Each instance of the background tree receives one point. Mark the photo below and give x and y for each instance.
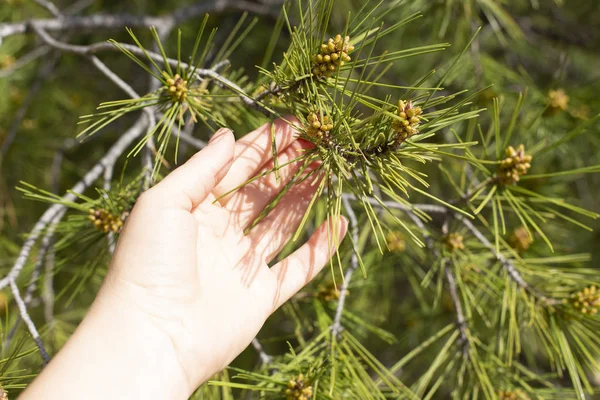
(467, 172)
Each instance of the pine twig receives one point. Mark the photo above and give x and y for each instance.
(507, 264)
(336, 327)
(45, 245)
(200, 72)
(264, 357)
(27, 319)
(466, 196)
(118, 21)
(461, 321)
(107, 184)
(48, 296)
(45, 248)
(117, 149)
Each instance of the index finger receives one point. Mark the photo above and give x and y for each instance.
(254, 150)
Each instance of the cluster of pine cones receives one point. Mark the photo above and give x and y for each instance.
(104, 221)
(332, 56)
(515, 164)
(298, 388)
(408, 120)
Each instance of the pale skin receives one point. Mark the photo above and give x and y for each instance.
(187, 291)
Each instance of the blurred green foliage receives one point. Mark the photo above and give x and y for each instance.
(547, 50)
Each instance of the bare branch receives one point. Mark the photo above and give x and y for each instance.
(506, 263)
(460, 316)
(94, 173)
(336, 327)
(200, 72)
(439, 209)
(264, 357)
(48, 296)
(113, 77)
(44, 246)
(27, 319)
(118, 21)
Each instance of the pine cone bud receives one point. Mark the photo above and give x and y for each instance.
(333, 55)
(557, 101)
(454, 241)
(176, 87)
(106, 222)
(6, 62)
(318, 126)
(329, 293)
(515, 164)
(407, 123)
(298, 388)
(3, 305)
(520, 239)
(396, 242)
(517, 394)
(587, 300)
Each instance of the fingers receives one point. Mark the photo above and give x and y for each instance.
(294, 272)
(277, 228)
(252, 152)
(191, 183)
(250, 200)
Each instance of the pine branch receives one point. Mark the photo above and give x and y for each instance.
(508, 265)
(119, 21)
(45, 244)
(27, 319)
(264, 357)
(45, 247)
(460, 316)
(94, 173)
(48, 296)
(200, 72)
(336, 327)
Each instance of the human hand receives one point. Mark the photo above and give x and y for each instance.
(185, 284)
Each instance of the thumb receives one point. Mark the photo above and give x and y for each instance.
(191, 183)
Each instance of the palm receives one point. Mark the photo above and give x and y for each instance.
(188, 263)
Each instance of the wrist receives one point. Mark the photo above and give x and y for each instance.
(120, 350)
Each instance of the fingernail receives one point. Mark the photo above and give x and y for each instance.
(218, 135)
